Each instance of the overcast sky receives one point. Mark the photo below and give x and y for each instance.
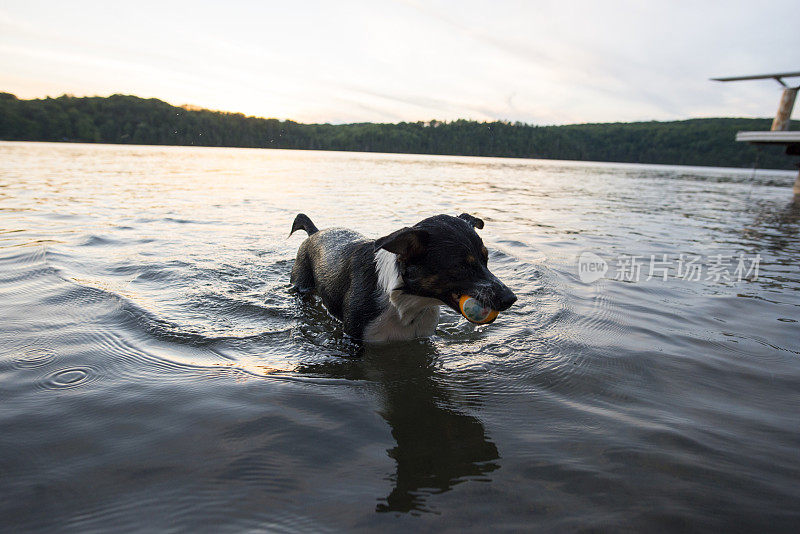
(540, 62)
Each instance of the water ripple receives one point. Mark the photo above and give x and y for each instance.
(69, 378)
(149, 289)
(32, 357)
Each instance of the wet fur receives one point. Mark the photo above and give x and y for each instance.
(404, 316)
(390, 289)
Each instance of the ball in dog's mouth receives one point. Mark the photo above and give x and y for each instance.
(474, 311)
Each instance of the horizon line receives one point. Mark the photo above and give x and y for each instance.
(193, 107)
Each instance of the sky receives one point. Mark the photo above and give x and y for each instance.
(538, 62)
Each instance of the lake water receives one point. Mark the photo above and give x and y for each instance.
(157, 373)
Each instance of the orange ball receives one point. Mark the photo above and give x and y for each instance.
(475, 312)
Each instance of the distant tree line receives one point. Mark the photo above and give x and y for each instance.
(132, 120)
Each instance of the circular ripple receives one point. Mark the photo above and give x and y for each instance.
(32, 357)
(69, 378)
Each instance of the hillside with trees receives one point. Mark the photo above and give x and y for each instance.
(131, 120)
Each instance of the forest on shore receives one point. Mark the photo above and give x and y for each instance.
(125, 119)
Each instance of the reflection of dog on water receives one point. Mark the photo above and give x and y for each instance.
(437, 445)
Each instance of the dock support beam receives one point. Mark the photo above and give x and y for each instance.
(796, 189)
(784, 114)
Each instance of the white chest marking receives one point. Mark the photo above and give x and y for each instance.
(405, 316)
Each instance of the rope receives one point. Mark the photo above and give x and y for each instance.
(755, 168)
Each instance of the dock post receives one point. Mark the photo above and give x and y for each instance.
(784, 114)
(796, 189)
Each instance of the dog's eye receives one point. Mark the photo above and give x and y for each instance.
(484, 254)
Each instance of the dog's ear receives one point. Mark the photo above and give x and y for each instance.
(474, 221)
(406, 242)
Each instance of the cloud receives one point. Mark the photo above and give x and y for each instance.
(545, 62)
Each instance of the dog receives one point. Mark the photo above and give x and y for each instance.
(391, 289)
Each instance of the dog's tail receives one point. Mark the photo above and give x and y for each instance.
(302, 222)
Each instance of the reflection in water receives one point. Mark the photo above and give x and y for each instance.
(776, 228)
(437, 445)
(791, 213)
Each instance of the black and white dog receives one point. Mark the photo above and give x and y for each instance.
(390, 289)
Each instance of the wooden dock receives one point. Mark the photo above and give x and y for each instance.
(779, 134)
(790, 139)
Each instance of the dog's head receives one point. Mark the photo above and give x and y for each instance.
(442, 257)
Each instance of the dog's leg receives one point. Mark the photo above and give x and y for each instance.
(302, 272)
(353, 319)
